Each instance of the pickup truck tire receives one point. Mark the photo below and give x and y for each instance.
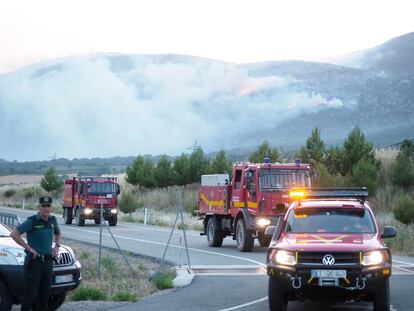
(244, 237)
(277, 300)
(80, 221)
(113, 220)
(214, 236)
(264, 241)
(382, 297)
(67, 215)
(5, 298)
(56, 301)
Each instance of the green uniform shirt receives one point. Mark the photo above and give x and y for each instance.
(40, 233)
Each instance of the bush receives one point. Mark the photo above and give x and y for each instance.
(128, 203)
(404, 210)
(403, 171)
(163, 279)
(88, 293)
(9, 193)
(365, 174)
(124, 296)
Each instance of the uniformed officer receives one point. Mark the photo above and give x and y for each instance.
(38, 264)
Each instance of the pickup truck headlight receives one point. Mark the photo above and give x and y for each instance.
(282, 257)
(373, 258)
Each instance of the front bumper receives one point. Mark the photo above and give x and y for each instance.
(66, 278)
(95, 213)
(359, 283)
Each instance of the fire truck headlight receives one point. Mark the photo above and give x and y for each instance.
(282, 257)
(263, 222)
(372, 258)
(88, 211)
(114, 211)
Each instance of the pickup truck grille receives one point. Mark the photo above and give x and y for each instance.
(64, 259)
(342, 259)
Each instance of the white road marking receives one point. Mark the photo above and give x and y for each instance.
(410, 264)
(159, 230)
(171, 245)
(406, 270)
(245, 304)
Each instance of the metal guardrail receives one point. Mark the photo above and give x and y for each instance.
(10, 220)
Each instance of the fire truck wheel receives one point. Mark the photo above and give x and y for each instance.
(277, 300)
(264, 241)
(80, 221)
(382, 297)
(244, 238)
(214, 236)
(67, 215)
(97, 221)
(113, 220)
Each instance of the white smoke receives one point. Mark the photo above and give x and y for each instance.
(100, 106)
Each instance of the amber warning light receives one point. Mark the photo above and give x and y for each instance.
(297, 194)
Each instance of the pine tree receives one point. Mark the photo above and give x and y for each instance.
(264, 151)
(163, 173)
(221, 164)
(50, 181)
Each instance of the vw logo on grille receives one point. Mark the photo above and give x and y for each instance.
(328, 260)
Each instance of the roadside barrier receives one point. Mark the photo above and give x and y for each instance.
(10, 220)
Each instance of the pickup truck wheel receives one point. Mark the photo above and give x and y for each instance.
(56, 301)
(5, 298)
(113, 220)
(277, 299)
(382, 297)
(80, 221)
(214, 236)
(67, 215)
(244, 238)
(264, 241)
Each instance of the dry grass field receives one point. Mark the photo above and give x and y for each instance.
(20, 179)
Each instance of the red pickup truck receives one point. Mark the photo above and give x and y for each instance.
(328, 247)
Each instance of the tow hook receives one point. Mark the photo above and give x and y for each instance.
(296, 282)
(360, 286)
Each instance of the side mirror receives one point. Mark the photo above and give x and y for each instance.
(269, 231)
(118, 189)
(389, 232)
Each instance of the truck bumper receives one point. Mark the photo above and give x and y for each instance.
(299, 284)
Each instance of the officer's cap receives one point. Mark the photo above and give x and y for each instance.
(45, 200)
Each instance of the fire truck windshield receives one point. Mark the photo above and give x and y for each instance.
(330, 220)
(101, 188)
(277, 179)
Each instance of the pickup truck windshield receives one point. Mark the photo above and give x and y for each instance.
(275, 179)
(330, 220)
(101, 188)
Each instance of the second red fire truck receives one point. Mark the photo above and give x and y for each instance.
(84, 196)
(254, 199)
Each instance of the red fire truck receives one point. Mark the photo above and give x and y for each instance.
(83, 197)
(253, 200)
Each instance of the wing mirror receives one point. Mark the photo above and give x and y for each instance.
(389, 232)
(269, 231)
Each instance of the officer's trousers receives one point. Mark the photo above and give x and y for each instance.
(38, 281)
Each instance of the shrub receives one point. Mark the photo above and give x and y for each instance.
(124, 296)
(403, 171)
(88, 293)
(128, 203)
(404, 210)
(163, 279)
(9, 193)
(365, 173)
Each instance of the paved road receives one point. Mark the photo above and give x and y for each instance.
(231, 287)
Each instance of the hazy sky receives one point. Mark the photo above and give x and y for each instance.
(235, 31)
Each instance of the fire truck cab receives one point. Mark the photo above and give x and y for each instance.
(84, 196)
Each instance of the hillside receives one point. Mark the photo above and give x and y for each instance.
(107, 105)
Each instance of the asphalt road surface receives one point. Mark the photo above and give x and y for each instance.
(225, 279)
